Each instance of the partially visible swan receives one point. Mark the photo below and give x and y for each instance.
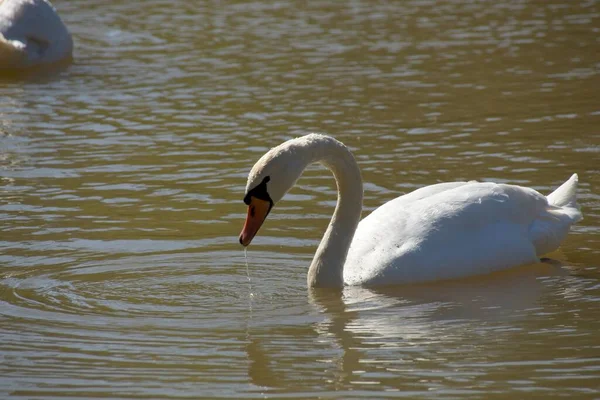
(31, 34)
(443, 231)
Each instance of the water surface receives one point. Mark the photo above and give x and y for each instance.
(123, 175)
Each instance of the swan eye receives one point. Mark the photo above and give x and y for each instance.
(260, 191)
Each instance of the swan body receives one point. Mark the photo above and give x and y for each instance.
(31, 34)
(443, 231)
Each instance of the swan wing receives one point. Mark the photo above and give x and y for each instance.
(453, 230)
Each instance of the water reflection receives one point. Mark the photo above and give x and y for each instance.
(416, 326)
(393, 329)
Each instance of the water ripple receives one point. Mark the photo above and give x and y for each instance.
(122, 177)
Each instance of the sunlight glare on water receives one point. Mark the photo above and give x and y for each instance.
(122, 180)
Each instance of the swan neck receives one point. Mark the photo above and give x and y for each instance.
(327, 267)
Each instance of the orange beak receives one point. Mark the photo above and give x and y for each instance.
(257, 212)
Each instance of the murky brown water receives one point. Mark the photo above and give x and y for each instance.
(123, 177)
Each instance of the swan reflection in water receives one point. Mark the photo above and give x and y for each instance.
(395, 325)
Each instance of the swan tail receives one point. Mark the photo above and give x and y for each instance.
(565, 199)
(566, 194)
(551, 227)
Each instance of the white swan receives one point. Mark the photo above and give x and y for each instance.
(443, 231)
(31, 34)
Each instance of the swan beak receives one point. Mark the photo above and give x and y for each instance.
(257, 212)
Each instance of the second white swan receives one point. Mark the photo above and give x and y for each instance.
(443, 231)
(32, 34)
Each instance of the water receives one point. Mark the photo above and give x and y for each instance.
(121, 275)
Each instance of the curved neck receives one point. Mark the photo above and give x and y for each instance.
(326, 269)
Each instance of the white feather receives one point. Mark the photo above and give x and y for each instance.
(31, 34)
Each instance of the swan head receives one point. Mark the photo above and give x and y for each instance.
(273, 175)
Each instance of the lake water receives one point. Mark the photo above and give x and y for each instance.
(122, 178)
